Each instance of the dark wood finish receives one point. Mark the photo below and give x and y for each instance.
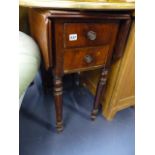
(121, 39)
(104, 33)
(98, 50)
(99, 92)
(98, 34)
(40, 32)
(79, 58)
(59, 52)
(58, 102)
(93, 15)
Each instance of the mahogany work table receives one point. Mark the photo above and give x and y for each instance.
(76, 41)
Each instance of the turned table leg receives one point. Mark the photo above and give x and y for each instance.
(58, 102)
(99, 92)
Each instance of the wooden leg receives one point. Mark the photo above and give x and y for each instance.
(58, 102)
(99, 92)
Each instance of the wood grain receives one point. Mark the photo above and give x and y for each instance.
(104, 33)
(39, 28)
(75, 58)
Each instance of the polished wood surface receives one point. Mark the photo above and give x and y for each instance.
(90, 50)
(120, 91)
(99, 91)
(83, 59)
(84, 53)
(58, 88)
(121, 39)
(103, 33)
(80, 4)
(39, 31)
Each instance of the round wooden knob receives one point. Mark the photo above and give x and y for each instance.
(91, 35)
(88, 58)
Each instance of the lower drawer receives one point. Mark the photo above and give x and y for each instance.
(84, 58)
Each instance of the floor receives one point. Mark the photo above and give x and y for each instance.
(81, 136)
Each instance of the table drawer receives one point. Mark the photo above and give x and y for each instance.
(88, 34)
(83, 58)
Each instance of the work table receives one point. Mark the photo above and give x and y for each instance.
(76, 36)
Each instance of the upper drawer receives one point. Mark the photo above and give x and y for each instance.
(88, 34)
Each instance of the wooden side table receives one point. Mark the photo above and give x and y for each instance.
(75, 41)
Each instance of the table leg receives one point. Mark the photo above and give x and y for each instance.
(58, 90)
(99, 92)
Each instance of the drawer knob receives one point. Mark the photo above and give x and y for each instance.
(88, 58)
(91, 35)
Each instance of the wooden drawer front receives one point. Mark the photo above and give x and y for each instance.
(88, 34)
(82, 59)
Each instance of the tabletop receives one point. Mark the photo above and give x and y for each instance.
(80, 4)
